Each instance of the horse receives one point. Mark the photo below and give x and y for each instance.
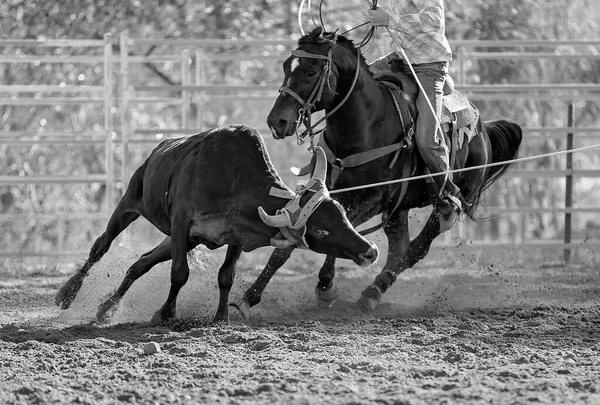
(368, 139)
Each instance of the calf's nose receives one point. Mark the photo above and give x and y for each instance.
(370, 256)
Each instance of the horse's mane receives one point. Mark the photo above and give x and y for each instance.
(318, 36)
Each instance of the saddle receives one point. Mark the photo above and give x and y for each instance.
(459, 116)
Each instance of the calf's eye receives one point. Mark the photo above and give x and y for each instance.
(321, 232)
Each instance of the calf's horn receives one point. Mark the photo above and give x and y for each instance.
(320, 172)
(278, 220)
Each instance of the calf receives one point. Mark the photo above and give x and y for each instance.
(216, 188)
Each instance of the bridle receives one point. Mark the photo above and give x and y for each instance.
(307, 106)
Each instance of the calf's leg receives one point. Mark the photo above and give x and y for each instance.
(159, 254)
(226, 277)
(120, 219)
(180, 270)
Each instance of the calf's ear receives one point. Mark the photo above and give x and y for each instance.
(279, 241)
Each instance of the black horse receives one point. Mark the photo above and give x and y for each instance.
(368, 139)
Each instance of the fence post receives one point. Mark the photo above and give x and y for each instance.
(461, 66)
(185, 94)
(109, 159)
(200, 80)
(124, 106)
(569, 185)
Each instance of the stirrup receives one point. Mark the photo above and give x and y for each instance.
(457, 201)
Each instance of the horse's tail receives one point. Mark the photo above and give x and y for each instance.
(505, 139)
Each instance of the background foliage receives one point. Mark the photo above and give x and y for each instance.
(268, 19)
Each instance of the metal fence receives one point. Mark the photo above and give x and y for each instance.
(121, 95)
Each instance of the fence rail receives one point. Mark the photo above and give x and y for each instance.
(119, 95)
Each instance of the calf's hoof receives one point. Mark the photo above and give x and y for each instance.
(326, 298)
(243, 307)
(66, 295)
(158, 319)
(218, 320)
(105, 311)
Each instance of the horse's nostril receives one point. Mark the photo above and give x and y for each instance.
(281, 125)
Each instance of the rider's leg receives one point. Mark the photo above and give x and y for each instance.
(429, 137)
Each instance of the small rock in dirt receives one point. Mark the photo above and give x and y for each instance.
(242, 392)
(264, 388)
(345, 369)
(453, 357)
(151, 348)
(259, 346)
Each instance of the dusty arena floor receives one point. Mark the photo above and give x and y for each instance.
(481, 327)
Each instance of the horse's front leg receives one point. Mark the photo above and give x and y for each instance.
(402, 254)
(253, 295)
(327, 290)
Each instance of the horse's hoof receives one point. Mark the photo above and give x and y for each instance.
(325, 299)
(243, 307)
(447, 223)
(367, 304)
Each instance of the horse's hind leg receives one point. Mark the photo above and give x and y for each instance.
(120, 219)
(253, 295)
(397, 262)
(159, 254)
(327, 290)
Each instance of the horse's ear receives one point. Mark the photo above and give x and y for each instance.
(316, 33)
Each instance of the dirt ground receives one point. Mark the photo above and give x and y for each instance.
(467, 326)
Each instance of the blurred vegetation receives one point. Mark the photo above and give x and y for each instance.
(273, 20)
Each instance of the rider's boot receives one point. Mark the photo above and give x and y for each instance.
(447, 202)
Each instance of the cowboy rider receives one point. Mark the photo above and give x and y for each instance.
(418, 31)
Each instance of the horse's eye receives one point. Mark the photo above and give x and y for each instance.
(310, 73)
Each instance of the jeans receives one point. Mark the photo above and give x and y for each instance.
(430, 142)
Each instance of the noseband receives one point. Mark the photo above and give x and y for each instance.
(305, 112)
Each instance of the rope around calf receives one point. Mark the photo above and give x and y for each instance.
(506, 162)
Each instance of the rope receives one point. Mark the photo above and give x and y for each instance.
(465, 169)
